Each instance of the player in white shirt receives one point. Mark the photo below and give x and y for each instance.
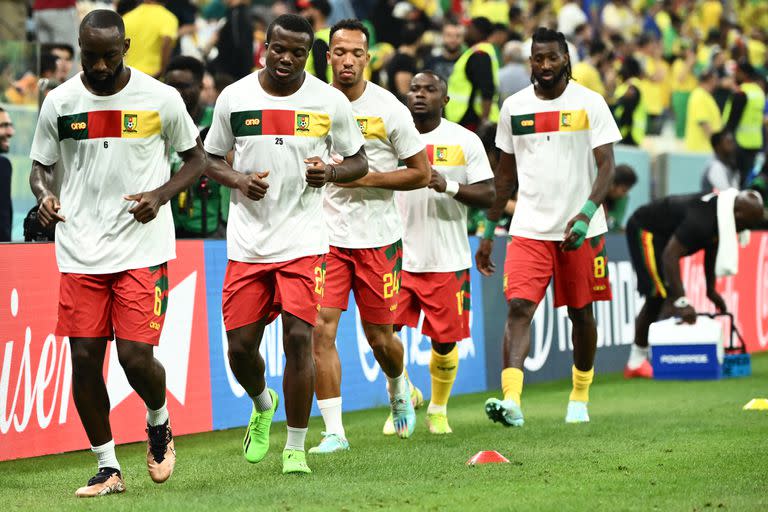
(556, 140)
(282, 124)
(436, 253)
(103, 134)
(366, 233)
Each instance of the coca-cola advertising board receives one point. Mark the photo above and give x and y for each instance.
(37, 413)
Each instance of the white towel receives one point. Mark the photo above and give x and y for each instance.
(727, 261)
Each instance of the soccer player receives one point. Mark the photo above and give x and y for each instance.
(281, 123)
(436, 254)
(659, 234)
(104, 133)
(366, 232)
(550, 135)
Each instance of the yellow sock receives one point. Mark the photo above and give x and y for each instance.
(581, 382)
(512, 384)
(443, 370)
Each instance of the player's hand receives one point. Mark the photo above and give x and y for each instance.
(146, 207)
(483, 258)
(575, 233)
(253, 185)
(47, 212)
(318, 173)
(437, 182)
(717, 300)
(686, 314)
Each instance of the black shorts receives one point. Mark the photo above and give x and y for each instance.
(646, 251)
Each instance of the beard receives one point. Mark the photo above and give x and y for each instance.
(104, 84)
(548, 83)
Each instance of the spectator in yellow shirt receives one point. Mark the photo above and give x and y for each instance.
(683, 82)
(587, 71)
(704, 118)
(153, 31)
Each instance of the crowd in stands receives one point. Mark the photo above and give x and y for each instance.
(691, 71)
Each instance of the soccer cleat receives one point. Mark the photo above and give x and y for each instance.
(295, 461)
(417, 399)
(256, 441)
(106, 481)
(161, 453)
(577, 412)
(438, 424)
(403, 416)
(644, 371)
(330, 443)
(506, 412)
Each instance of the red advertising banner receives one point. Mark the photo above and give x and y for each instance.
(745, 294)
(37, 412)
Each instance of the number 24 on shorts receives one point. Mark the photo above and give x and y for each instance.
(391, 284)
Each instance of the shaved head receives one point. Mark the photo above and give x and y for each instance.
(748, 210)
(103, 18)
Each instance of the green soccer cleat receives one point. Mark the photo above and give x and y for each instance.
(330, 443)
(256, 441)
(438, 424)
(295, 461)
(506, 412)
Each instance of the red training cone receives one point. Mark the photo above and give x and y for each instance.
(487, 457)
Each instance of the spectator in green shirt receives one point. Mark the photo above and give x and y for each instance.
(618, 196)
(201, 210)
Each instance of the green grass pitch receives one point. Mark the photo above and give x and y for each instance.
(662, 446)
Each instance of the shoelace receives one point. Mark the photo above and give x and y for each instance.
(159, 437)
(103, 475)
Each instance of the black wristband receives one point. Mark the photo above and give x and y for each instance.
(333, 173)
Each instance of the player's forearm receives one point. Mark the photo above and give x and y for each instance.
(40, 179)
(221, 172)
(477, 195)
(605, 170)
(671, 262)
(189, 172)
(165, 58)
(415, 175)
(352, 168)
(505, 184)
(485, 112)
(710, 256)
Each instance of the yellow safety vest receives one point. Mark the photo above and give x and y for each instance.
(639, 117)
(309, 67)
(749, 132)
(460, 88)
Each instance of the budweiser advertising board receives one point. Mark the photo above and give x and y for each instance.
(37, 413)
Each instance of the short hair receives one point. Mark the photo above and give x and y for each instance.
(483, 25)
(411, 33)
(49, 47)
(630, 68)
(187, 63)
(716, 138)
(440, 79)
(597, 47)
(48, 63)
(324, 6)
(350, 24)
(103, 18)
(624, 175)
(745, 67)
(292, 23)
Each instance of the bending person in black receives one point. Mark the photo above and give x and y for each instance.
(659, 234)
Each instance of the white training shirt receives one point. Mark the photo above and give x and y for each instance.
(106, 147)
(277, 133)
(435, 223)
(366, 217)
(552, 141)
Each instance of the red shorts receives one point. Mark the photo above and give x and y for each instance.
(129, 305)
(444, 298)
(374, 276)
(581, 276)
(261, 291)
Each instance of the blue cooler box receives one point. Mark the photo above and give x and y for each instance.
(686, 352)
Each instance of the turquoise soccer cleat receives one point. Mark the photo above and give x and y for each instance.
(506, 412)
(330, 443)
(577, 412)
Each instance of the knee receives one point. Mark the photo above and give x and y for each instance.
(297, 341)
(582, 316)
(323, 335)
(520, 309)
(134, 359)
(84, 363)
(238, 348)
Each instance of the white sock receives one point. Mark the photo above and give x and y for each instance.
(106, 455)
(296, 438)
(330, 408)
(263, 401)
(398, 386)
(636, 356)
(158, 417)
(437, 409)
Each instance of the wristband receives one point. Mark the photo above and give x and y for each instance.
(589, 209)
(490, 229)
(333, 173)
(451, 187)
